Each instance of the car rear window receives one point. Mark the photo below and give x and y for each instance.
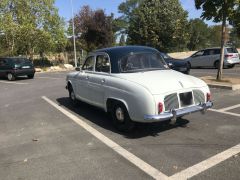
(144, 61)
(232, 50)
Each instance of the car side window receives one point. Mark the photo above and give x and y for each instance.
(217, 51)
(206, 52)
(89, 64)
(102, 64)
(199, 53)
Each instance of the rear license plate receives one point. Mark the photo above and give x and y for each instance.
(186, 99)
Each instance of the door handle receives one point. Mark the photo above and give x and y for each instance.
(103, 81)
(87, 77)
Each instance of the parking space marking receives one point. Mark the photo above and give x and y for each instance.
(47, 78)
(229, 108)
(225, 112)
(206, 164)
(148, 169)
(10, 82)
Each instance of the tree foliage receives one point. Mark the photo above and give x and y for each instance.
(94, 28)
(199, 34)
(30, 26)
(160, 24)
(215, 35)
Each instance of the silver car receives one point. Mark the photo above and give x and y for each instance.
(211, 58)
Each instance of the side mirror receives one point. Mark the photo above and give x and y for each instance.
(77, 68)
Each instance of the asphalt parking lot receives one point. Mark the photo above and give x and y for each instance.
(231, 72)
(42, 136)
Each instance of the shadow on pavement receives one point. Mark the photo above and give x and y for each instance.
(19, 78)
(102, 119)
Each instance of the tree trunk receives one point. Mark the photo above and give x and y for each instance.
(220, 68)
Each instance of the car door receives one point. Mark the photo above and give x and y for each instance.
(196, 59)
(209, 57)
(98, 80)
(82, 79)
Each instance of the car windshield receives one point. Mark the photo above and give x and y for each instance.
(165, 56)
(232, 50)
(144, 61)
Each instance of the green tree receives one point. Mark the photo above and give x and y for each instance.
(126, 9)
(215, 35)
(219, 11)
(199, 34)
(31, 26)
(94, 27)
(160, 24)
(235, 37)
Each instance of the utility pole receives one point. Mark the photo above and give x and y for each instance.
(74, 40)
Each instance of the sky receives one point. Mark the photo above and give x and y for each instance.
(111, 6)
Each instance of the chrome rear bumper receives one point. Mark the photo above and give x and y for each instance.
(173, 114)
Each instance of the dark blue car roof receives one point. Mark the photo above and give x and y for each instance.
(117, 53)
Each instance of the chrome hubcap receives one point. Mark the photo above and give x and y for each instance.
(10, 76)
(119, 114)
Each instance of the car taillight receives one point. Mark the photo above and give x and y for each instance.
(160, 108)
(228, 55)
(208, 97)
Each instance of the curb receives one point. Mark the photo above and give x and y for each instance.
(233, 87)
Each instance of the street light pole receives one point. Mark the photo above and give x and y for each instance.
(74, 40)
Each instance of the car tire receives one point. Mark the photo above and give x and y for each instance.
(11, 77)
(187, 72)
(31, 76)
(121, 119)
(216, 64)
(72, 96)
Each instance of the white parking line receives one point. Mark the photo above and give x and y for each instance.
(10, 82)
(148, 169)
(224, 112)
(229, 108)
(206, 164)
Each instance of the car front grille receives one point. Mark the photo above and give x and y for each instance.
(171, 102)
(198, 96)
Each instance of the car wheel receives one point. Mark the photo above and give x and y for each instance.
(72, 96)
(31, 76)
(121, 119)
(10, 77)
(216, 64)
(187, 72)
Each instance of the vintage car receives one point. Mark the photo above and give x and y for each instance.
(134, 84)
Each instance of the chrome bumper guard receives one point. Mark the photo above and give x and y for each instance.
(173, 114)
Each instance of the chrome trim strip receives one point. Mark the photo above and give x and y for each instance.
(179, 112)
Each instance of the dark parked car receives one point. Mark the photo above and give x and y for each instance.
(176, 64)
(13, 67)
